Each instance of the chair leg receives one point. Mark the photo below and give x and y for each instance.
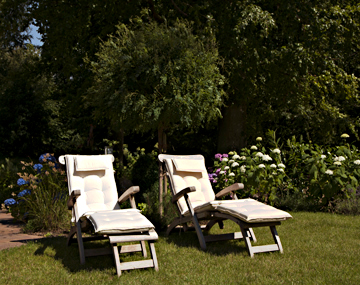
(199, 232)
(116, 259)
(143, 249)
(276, 238)
(253, 237)
(246, 236)
(72, 232)
(80, 242)
(153, 255)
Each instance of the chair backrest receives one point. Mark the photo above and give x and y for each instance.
(185, 171)
(93, 175)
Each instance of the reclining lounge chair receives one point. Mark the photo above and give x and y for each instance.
(95, 206)
(195, 200)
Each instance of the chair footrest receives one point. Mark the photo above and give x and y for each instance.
(265, 248)
(136, 264)
(151, 235)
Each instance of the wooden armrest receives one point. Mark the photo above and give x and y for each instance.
(129, 194)
(180, 194)
(229, 189)
(72, 198)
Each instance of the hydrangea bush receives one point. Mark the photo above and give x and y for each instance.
(40, 195)
(321, 175)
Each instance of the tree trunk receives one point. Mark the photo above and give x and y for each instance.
(232, 129)
(162, 145)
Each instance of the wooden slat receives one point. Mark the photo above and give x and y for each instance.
(98, 251)
(130, 248)
(152, 235)
(136, 264)
(230, 236)
(265, 248)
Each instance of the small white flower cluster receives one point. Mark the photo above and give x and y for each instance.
(236, 157)
(243, 157)
(280, 169)
(232, 174)
(266, 157)
(276, 150)
(259, 154)
(225, 159)
(243, 168)
(281, 165)
(273, 165)
(234, 164)
(261, 165)
(339, 158)
(253, 147)
(357, 162)
(329, 172)
(337, 163)
(323, 156)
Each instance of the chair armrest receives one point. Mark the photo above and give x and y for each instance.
(180, 194)
(229, 189)
(72, 198)
(129, 194)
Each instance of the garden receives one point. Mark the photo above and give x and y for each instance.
(266, 91)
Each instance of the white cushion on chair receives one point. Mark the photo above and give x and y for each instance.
(120, 221)
(91, 163)
(247, 210)
(189, 165)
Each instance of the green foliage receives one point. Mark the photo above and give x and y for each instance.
(150, 75)
(41, 196)
(8, 171)
(300, 176)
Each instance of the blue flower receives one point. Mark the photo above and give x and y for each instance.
(38, 167)
(9, 202)
(48, 157)
(21, 182)
(24, 192)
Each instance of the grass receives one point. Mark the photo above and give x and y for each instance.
(319, 248)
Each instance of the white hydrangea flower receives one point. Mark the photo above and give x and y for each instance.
(227, 167)
(323, 156)
(280, 169)
(276, 150)
(261, 165)
(281, 165)
(243, 157)
(357, 162)
(254, 147)
(236, 156)
(329, 172)
(243, 168)
(232, 174)
(273, 165)
(259, 154)
(235, 164)
(222, 172)
(341, 158)
(337, 163)
(274, 173)
(231, 161)
(266, 157)
(225, 159)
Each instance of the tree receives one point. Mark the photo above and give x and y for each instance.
(153, 76)
(290, 66)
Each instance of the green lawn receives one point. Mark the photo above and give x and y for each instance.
(319, 248)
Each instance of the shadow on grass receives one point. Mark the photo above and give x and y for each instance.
(70, 258)
(219, 248)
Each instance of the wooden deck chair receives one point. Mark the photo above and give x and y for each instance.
(95, 206)
(195, 200)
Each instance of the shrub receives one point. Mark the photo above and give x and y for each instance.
(8, 175)
(41, 195)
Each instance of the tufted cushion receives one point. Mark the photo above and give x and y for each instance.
(247, 210)
(189, 171)
(120, 221)
(97, 187)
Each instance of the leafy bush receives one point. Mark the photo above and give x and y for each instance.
(41, 195)
(8, 172)
(299, 176)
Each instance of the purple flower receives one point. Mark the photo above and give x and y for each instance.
(225, 155)
(218, 170)
(218, 156)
